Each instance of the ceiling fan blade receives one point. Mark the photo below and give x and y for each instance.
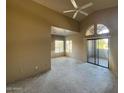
(84, 13)
(75, 14)
(86, 6)
(74, 4)
(69, 11)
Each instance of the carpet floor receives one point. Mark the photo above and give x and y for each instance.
(68, 75)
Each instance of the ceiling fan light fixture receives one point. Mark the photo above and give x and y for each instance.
(78, 10)
(74, 4)
(84, 13)
(86, 6)
(69, 11)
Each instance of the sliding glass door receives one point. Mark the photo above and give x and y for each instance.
(98, 52)
(91, 51)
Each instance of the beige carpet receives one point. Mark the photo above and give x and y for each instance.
(68, 76)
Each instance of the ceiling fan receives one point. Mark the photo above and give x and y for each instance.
(78, 9)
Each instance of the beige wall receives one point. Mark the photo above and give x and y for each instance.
(77, 46)
(108, 17)
(53, 38)
(29, 39)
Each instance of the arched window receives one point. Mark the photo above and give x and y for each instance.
(90, 31)
(100, 30)
(97, 36)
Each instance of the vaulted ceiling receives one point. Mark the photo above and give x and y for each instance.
(62, 5)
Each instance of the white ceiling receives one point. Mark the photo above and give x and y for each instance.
(62, 5)
(61, 31)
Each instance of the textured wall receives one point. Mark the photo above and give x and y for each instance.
(29, 41)
(28, 37)
(108, 17)
(77, 46)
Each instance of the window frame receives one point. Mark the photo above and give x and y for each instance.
(68, 46)
(96, 35)
(58, 47)
(90, 31)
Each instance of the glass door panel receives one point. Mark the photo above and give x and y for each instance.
(102, 47)
(90, 56)
(98, 52)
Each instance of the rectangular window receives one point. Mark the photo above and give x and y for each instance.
(69, 46)
(102, 44)
(59, 46)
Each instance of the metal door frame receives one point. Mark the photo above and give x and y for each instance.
(98, 51)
